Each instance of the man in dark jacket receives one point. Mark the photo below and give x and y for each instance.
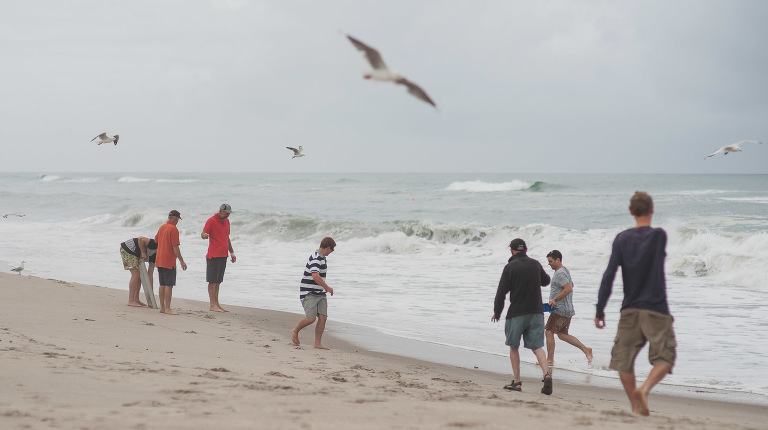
(523, 278)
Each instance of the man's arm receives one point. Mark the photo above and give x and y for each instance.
(206, 229)
(544, 276)
(567, 289)
(143, 242)
(321, 282)
(501, 295)
(606, 285)
(177, 251)
(232, 252)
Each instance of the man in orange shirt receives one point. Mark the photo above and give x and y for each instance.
(167, 239)
(216, 230)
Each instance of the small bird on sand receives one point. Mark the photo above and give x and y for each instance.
(7, 215)
(103, 138)
(18, 268)
(734, 147)
(296, 152)
(382, 73)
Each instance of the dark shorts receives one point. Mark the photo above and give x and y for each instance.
(558, 323)
(167, 277)
(530, 327)
(214, 269)
(636, 327)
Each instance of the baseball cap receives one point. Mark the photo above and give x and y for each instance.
(226, 207)
(174, 213)
(518, 245)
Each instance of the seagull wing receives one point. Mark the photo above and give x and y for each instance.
(746, 141)
(117, 137)
(416, 91)
(371, 54)
(295, 151)
(101, 136)
(715, 153)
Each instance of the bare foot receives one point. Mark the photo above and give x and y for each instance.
(321, 347)
(589, 355)
(135, 305)
(141, 304)
(295, 338)
(642, 400)
(215, 309)
(170, 312)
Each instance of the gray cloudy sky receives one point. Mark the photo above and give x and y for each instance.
(522, 86)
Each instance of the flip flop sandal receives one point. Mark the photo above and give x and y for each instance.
(514, 386)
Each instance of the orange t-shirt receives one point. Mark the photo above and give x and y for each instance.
(166, 237)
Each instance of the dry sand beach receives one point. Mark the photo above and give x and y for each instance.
(75, 356)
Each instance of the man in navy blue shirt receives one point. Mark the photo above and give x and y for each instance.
(640, 252)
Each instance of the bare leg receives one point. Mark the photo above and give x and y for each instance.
(550, 336)
(514, 358)
(319, 329)
(133, 288)
(577, 343)
(301, 324)
(213, 294)
(161, 296)
(165, 300)
(658, 372)
(151, 273)
(542, 358)
(628, 381)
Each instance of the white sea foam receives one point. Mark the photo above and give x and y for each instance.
(178, 181)
(49, 178)
(760, 200)
(486, 187)
(131, 179)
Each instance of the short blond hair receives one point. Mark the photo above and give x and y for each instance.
(640, 204)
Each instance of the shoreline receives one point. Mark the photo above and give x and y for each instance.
(75, 356)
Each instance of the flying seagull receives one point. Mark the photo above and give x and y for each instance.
(382, 73)
(296, 152)
(734, 147)
(19, 268)
(103, 138)
(7, 215)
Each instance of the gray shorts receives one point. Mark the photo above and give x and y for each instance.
(314, 304)
(530, 327)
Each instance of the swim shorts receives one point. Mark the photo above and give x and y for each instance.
(558, 323)
(130, 261)
(167, 277)
(214, 269)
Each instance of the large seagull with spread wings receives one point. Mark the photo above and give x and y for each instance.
(382, 73)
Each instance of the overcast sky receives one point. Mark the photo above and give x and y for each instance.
(522, 86)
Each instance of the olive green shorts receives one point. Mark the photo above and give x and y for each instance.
(636, 327)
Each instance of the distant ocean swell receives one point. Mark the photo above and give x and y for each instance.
(489, 187)
(728, 257)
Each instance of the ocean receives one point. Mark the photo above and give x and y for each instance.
(419, 256)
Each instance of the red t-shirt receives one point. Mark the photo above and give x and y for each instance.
(218, 237)
(166, 237)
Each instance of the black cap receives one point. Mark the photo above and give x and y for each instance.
(174, 213)
(518, 245)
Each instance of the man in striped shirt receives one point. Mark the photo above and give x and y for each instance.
(312, 293)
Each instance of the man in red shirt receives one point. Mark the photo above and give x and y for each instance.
(216, 230)
(167, 239)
